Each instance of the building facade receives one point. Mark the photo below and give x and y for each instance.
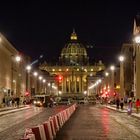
(128, 66)
(12, 73)
(72, 72)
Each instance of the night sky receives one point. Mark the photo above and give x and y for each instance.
(43, 27)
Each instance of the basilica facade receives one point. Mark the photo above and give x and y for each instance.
(73, 74)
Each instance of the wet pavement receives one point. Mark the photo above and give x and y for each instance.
(8, 110)
(13, 125)
(89, 122)
(100, 123)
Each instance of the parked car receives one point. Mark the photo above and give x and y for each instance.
(42, 100)
(64, 101)
(80, 100)
(92, 101)
(111, 101)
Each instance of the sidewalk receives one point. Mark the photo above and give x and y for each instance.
(7, 110)
(134, 114)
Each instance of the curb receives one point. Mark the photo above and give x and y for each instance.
(125, 111)
(118, 110)
(4, 112)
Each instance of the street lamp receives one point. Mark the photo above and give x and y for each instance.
(40, 77)
(18, 58)
(122, 91)
(137, 39)
(28, 68)
(106, 74)
(137, 65)
(35, 74)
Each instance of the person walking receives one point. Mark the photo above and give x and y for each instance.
(117, 102)
(137, 105)
(17, 101)
(13, 102)
(121, 103)
(129, 110)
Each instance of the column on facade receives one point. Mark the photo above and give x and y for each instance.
(112, 82)
(75, 83)
(35, 84)
(40, 86)
(68, 84)
(69, 80)
(71, 83)
(63, 85)
(122, 79)
(138, 71)
(81, 80)
(79, 84)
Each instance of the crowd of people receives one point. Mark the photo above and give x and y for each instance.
(131, 102)
(127, 102)
(9, 101)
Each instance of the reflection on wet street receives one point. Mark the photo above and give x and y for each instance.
(99, 123)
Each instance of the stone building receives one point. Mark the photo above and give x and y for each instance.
(12, 73)
(131, 51)
(127, 51)
(73, 70)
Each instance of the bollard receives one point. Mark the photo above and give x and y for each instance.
(48, 130)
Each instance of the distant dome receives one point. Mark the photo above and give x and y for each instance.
(74, 52)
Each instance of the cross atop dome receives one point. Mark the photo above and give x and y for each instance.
(73, 35)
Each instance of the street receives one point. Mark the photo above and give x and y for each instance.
(89, 122)
(100, 123)
(12, 126)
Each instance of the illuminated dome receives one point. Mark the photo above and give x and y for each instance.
(74, 53)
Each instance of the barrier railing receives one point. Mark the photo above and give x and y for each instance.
(48, 130)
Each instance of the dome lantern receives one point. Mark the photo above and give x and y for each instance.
(73, 35)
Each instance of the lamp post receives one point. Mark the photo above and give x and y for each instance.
(28, 68)
(15, 74)
(137, 66)
(44, 86)
(35, 81)
(112, 68)
(122, 92)
(106, 78)
(40, 84)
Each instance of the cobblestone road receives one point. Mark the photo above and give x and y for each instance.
(99, 123)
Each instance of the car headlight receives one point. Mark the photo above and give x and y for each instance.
(38, 102)
(34, 102)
